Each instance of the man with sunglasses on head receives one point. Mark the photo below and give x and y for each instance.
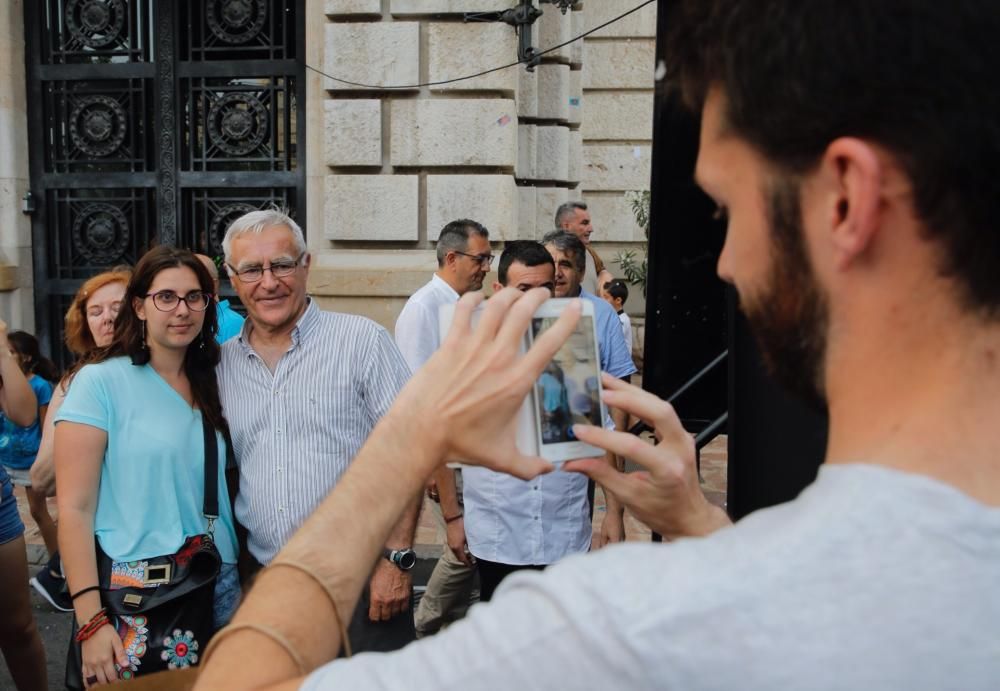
(302, 389)
(464, 257)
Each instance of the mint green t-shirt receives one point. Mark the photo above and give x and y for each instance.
(153, 474)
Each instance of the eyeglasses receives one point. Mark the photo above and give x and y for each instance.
(279, 269)
(486, 259)
(167, 300)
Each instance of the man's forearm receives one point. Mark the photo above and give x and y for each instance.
(356, 519)
(447, 491)
(620, 418)
(402, 535)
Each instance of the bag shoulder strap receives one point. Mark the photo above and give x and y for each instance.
(598, 262)
(211, 503)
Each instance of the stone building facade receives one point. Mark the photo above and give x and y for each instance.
(387, 168)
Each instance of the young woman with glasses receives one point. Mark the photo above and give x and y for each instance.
(130, 450)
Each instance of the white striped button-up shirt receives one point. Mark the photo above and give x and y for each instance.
(295, 431)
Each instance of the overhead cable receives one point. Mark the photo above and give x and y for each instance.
(388, 87)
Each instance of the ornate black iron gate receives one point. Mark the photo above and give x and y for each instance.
(152, 122)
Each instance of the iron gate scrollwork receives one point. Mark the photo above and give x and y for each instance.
(155, 121)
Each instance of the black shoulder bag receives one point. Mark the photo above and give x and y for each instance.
(161, 607)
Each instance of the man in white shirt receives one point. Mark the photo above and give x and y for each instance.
(464, 257)
(575, 217)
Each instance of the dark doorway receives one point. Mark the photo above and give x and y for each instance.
(155, 122)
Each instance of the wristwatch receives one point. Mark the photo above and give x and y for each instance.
(404, 559)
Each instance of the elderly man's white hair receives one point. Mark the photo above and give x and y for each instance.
(257, 222)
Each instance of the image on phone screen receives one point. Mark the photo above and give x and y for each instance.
(568, 391)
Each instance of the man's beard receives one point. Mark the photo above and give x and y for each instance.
(789, 315)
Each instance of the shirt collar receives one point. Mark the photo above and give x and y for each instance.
(306, 323)
(443, 285)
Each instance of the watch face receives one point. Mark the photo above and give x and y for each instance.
(407, 559)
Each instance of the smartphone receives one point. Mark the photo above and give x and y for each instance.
(567, 392)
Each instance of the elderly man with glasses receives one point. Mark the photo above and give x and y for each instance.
(302, 389)
(464, 257)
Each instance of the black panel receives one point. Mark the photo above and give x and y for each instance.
(208, 212)
(685, 300)
(92, 31)
(97, 126)
(91, 230)
(776, 443)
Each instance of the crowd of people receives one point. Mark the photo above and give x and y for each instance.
(161, 361)
(852, 149)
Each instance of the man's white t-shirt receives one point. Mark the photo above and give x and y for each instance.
(871, 579)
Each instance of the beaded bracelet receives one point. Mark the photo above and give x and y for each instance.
(91, 627)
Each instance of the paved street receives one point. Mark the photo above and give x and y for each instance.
(55, 626)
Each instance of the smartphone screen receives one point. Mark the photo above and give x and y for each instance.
(568, 391)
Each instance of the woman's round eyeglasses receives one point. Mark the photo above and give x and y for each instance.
(167, 300)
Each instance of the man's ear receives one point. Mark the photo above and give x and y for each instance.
(854, 170)
(497, 287)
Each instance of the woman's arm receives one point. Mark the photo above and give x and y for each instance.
(79, 453)
(43, 470)
(17, 399)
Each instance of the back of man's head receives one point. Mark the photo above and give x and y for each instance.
(567, 211)
(569, 244)
(916, 77)
(454, 237)
(526, 252)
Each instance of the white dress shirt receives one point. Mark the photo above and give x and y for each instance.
(626, 330)
(519, 522)
(417, 330)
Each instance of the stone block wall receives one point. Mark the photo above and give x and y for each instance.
(617, 127)
(388, 167)
(16, 301)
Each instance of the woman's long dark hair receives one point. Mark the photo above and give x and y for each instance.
(202, 354)
(32, 360)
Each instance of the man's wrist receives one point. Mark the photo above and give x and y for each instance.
(424, 444)
(404, 559)
(708, 520)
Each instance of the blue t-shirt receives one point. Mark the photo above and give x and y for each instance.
(19, 445)
(616, 359)
(230, 322)
(153, 474)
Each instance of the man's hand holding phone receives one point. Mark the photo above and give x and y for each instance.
(666, 496)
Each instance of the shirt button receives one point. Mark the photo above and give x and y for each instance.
(281, 509)
(535, 487)
(536, 518)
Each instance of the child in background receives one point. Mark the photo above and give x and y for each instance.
(19, 445)
(615, 292)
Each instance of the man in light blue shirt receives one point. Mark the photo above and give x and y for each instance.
(570, 257)
(229, 320)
